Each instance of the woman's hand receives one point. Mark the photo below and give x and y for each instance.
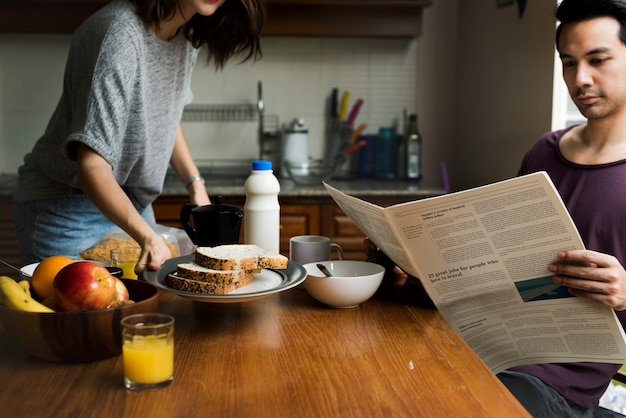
(96, 179)
(154, 252)
(592, 275)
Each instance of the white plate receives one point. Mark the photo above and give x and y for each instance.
(28, 270)
(266, 283)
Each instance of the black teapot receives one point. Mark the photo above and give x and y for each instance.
(215, 224)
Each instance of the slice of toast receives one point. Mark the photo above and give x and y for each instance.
(195, 286)
(194, 271)
(239, 256)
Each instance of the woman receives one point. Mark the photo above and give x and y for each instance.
(103, 157)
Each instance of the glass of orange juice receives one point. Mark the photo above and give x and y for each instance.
(148, 351)
(126, 258)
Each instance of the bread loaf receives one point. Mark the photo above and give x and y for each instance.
(239, 256)
(200, 273)
(222, 269)
(196, 286)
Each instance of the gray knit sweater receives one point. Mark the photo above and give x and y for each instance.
(123, 94)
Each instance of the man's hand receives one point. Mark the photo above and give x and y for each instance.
(592, 275)
(374, 255)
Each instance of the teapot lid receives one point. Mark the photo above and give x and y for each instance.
(298, 125)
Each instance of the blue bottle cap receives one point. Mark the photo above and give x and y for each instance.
(261, 165)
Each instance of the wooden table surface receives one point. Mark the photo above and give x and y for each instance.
(285, 355)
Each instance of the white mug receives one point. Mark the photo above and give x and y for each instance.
(304, 249)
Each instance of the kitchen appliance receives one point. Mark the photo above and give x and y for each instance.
(295, 145)
(214, 224)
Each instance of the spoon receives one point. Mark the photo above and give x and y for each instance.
(324, 270)
(13, 267)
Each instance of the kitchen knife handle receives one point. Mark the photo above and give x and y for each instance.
(354, 112)
(333, 103)
(343, 108)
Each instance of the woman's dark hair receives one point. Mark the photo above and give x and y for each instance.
(579, 10)
(233, 30)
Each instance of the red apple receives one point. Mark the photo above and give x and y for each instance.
(121, 292)
(83, 285)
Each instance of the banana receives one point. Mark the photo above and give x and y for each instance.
(17, 296)
(25, 285)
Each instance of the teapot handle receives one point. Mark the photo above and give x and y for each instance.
(185, 215)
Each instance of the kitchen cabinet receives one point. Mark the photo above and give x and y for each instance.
(382, 18)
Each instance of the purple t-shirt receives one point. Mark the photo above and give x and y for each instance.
(595, 196)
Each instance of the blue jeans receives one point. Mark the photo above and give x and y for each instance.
(539, 399)
(63, 226)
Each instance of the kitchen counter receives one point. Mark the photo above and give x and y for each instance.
(233, 186)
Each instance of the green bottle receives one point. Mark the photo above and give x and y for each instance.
(413, 150)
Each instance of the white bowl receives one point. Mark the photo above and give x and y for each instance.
(352, 282)
(310, 172)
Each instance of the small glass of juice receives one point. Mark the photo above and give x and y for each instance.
(148, 351)
(126, 258)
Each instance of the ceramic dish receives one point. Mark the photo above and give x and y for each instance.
(268, 282)
(26, 272)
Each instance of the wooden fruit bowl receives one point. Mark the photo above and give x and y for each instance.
(74, 337)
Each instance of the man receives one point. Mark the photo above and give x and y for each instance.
(588, 166)
(587, 163)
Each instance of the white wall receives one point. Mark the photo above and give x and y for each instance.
(504, 80)
(31, 70)
(297, 75)
(437, 87)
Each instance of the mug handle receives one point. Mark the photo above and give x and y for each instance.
(185, 215)
(338, 249)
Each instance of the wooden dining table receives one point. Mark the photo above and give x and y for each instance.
(285, 355)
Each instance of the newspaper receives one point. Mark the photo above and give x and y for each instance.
(482, 255)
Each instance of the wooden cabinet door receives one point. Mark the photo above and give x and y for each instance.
(342, 231)
(297, 220)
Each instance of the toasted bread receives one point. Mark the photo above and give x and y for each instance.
(195, 286)
(239, 256)
(200, 273)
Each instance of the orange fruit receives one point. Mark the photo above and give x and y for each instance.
(44, 275)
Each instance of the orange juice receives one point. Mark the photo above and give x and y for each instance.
(126, 258)
(149, 359)
(128, 268)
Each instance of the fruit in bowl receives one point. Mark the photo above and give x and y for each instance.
(84, 285)
(44, 273)
(77, 336)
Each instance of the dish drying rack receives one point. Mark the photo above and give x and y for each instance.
(220, 113)
(246, 112)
